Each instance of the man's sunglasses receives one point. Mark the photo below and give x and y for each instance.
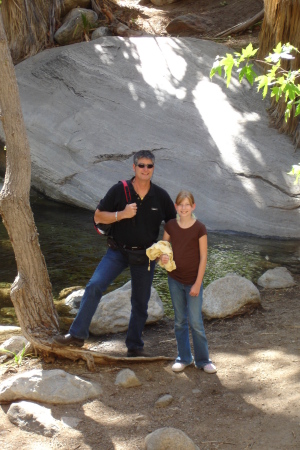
(149, 166)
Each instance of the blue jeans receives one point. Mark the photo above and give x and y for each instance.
(188, 310)
(111, 265)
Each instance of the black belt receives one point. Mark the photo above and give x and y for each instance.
(128, 247)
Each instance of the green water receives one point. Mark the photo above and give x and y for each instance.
(72, 250)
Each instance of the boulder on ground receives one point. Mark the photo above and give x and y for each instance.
(73, 25)
(113, 312)
(33, 418)
(127, 378)
(277, 278)
(48, 386)
(189, 22)
(169, 439)
(228, 296)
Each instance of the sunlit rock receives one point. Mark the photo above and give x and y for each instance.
(33, 418)
(169, 438)
(277, 278)
(89, 106)
(228, 296)
(48, 386)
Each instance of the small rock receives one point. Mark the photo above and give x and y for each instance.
(127, 378)
(34, 418)
(164, 401)
(277, 278)
(14, 345)
(188, 23)
(72, 27)
(100, 32)
(169, 439)
(64, 293)
(9, 329)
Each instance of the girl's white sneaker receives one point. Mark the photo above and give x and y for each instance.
(179, 367)
(210, 368)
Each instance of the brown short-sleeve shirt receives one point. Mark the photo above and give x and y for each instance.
(186, 252)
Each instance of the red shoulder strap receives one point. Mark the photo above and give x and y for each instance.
(126, 190)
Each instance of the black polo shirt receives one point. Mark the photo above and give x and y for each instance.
(143, 229)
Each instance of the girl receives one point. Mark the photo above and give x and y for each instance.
(188, 237)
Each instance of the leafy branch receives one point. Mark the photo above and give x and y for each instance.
(282, 83)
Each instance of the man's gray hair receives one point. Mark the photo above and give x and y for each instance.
(143, 154)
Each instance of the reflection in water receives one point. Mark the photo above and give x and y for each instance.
(72, 250)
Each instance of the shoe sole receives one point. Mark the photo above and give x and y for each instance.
(71, 344)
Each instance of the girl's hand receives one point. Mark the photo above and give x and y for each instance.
(164, 259)
(195, 289)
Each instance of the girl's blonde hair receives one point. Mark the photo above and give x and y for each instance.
(185, 194)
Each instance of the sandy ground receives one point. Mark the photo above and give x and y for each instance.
(251, 403)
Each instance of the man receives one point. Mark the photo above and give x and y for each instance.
(135, 227)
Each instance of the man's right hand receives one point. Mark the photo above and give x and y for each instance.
(129, 211)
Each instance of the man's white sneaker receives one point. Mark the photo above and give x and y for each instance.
(179, 367)
(210, 368)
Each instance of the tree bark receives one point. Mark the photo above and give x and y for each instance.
(31, 292)
(281, 24)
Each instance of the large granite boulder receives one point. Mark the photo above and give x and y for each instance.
(113, 312)
(89, 106)
(229, 296)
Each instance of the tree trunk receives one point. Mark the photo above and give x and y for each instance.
(31, 291)
(281, 24)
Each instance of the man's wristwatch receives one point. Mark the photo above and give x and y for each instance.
(116, 216)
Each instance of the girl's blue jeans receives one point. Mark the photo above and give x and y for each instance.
(188, 310)
(111, 265)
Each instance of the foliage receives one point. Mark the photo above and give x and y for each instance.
(85, 25)
(282, 83)
(18, 357)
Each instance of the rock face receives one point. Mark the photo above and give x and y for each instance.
(48, 386)
(229, 296)
(89, 106)
(113, 312)
(33, 418)
(276, 278)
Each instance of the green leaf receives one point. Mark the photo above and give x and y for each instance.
(247, 72)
